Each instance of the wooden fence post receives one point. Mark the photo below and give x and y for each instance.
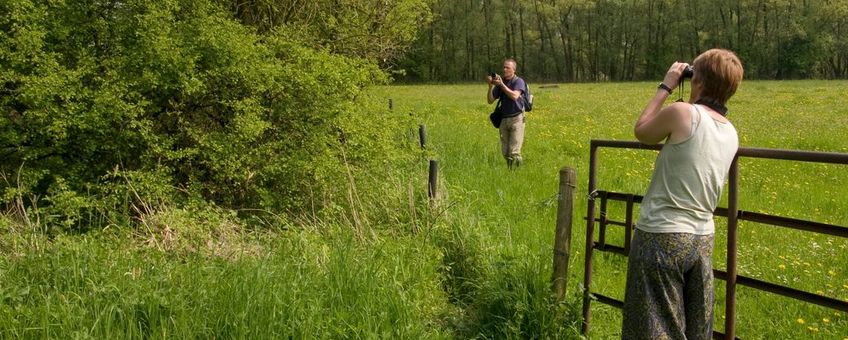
(422, 135)
(391, 104)
(433, 181)
(562, 241)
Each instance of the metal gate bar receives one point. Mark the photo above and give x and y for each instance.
(744, 215)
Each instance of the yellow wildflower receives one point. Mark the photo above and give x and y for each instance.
(826, 320)
(801, 321)
(781, 266)
(813, 329)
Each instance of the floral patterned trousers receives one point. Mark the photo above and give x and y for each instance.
(669, 292)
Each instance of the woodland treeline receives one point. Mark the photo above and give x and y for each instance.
(621, 40)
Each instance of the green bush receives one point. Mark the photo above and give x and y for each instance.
(111, 105)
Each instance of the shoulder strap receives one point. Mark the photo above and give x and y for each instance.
(697, 118)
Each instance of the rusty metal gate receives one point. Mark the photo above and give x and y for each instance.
(733, 214)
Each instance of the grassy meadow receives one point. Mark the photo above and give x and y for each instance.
(515, 211)
(476, 264)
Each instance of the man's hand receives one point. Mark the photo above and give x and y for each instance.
(497, 81)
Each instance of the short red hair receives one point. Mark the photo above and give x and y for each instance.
(719, 72)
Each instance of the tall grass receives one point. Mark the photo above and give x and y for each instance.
(322, 284)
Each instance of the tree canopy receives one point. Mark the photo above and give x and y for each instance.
(583, 40)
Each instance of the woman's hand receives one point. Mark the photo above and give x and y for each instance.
(675, 72)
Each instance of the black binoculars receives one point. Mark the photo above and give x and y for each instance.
(688, 72)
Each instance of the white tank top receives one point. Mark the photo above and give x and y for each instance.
(688, 179)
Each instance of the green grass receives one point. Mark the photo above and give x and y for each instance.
(519, 212)
(475, 265)
(300, 285)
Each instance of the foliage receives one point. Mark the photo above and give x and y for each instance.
(579, 40)
(378, 30)
(109, 105)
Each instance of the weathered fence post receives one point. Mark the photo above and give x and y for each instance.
(433, 181)
(391, 104)
(562, 241)
(422, 135)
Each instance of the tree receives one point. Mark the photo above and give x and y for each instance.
(581, 40)
(380, 30)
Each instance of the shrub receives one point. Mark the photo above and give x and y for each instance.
(106, 104)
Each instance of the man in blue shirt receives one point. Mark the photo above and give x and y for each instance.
(511, 108)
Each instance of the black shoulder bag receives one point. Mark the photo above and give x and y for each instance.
(496, 116)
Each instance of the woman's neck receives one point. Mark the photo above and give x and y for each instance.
(716, 106)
